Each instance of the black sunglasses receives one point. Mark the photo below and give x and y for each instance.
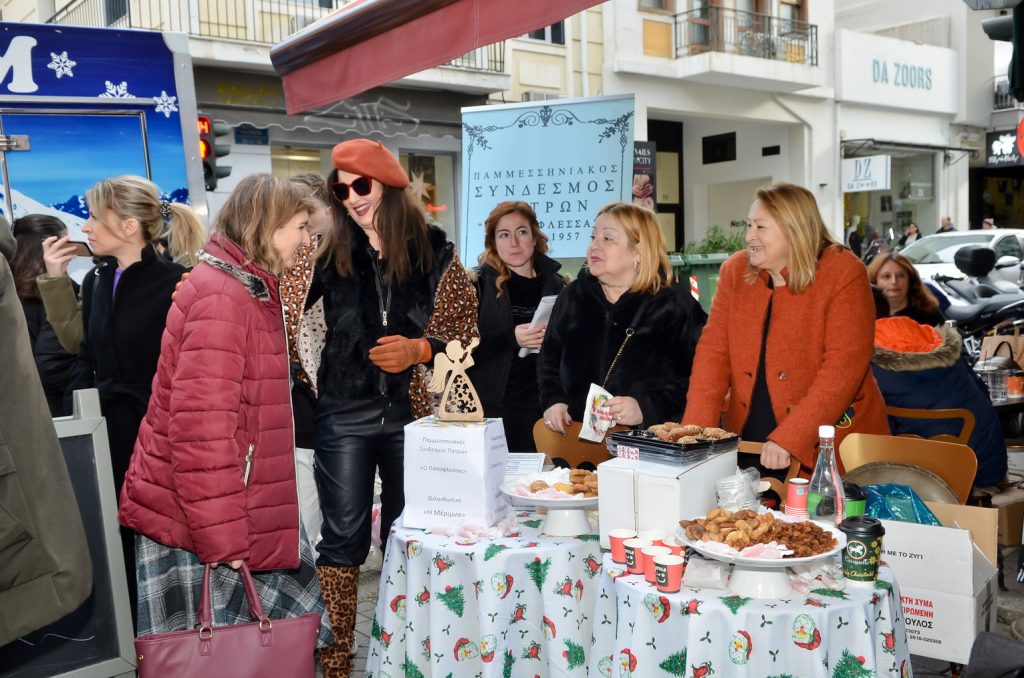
(361, 185)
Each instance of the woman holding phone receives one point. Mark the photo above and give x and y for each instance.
(125, 299)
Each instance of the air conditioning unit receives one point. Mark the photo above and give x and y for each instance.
(537, 95)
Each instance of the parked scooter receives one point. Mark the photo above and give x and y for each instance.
(979, 302)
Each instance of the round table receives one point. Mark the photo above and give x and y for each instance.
(510, 606)
(639, 631)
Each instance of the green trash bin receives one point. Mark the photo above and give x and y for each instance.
(705, 268)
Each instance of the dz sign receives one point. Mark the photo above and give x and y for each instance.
(867, 173)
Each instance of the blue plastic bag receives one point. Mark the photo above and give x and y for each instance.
(898, 502)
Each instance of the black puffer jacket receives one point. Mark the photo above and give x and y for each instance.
(55, 365)
(585, 332)
(352, 309)
(498, 346)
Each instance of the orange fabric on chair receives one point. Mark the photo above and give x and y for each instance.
(906, 335)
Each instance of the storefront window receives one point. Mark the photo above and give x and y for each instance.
(432, 178)
(909, 199)
(287, 161)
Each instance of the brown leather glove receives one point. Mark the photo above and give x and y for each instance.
(396, 354)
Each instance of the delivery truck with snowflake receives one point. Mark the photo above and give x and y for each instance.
(78, 105)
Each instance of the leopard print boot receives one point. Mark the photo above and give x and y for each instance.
(339, 585)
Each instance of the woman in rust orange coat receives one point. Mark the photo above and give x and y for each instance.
(789, 341)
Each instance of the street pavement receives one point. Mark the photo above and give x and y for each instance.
(1010, 610)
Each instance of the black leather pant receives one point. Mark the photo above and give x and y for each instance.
(353, 439)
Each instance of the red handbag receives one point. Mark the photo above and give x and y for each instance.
(282, 648)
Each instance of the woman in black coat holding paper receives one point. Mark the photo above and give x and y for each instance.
(513, 276)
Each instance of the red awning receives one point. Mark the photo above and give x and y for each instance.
(372, 42)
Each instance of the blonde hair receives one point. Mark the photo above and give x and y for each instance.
(795, 211)
(132, 197)
(186, 235)
(654, 271)
(490, 254)
(259, 206)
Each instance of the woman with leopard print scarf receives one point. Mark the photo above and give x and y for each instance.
(394, 293)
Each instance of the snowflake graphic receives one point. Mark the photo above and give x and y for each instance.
(61, 65)
(165, 104)
(120, 91)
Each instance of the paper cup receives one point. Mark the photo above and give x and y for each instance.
(653, 536)
(796, 495)
(863, 550)
(668, 572)
(634, 555)
(649, 554)
(616, 537)
(674, 545)
(1015, 386)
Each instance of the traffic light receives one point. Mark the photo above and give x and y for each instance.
(1010, 29)
(210, 150)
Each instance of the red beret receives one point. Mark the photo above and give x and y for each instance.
(369, 159)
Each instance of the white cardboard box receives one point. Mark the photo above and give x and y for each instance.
(646, 495)
(453, 473)
(947, 578)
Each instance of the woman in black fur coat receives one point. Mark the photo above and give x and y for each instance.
(394, 294)
(621, 324)
(514, 274)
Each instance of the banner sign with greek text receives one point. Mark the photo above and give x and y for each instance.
(567, 158)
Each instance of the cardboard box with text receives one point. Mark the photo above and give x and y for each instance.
(453, 473)
(947, 578)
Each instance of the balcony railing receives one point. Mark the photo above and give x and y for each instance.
(723, 29)
(1002, 99)
(263, 22)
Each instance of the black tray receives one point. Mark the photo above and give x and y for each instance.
(653, 448)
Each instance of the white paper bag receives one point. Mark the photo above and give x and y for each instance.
(596, 418)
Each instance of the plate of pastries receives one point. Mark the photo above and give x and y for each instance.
(562, 488)
(764, 538)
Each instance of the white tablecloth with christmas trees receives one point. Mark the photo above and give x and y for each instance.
(505, 607)
(640, 632)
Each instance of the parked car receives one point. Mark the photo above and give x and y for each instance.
(934, 253)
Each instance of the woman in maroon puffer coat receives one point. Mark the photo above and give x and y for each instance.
(212, 478)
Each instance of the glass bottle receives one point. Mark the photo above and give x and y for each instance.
(826, 496)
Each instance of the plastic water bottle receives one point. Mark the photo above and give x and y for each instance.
(826, 496)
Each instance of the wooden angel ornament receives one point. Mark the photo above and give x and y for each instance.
(459, 401)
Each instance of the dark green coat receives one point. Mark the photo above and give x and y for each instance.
(45, 571)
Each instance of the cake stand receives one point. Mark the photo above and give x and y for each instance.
(762, 577)
(565, 517)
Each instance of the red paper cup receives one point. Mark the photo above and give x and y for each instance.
(650, 553)
(668, 572)
(653, 536)
(674, 545)
(616, 537)
(796, 495)
(634, 555)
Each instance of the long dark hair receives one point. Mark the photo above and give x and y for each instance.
(402, 227)
(30, 231)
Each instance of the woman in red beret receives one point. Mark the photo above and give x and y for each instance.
(394, 293)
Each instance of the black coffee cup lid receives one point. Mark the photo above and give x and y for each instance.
(854, 491)
(863, 525)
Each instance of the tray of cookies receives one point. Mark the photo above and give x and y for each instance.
(565, 488)
(766, 538)
(679, 444)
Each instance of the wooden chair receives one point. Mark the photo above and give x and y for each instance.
(958, 413)
(774, 484)
(953, 462)
(570, 449)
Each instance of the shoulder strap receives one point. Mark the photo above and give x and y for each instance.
(630, 331)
